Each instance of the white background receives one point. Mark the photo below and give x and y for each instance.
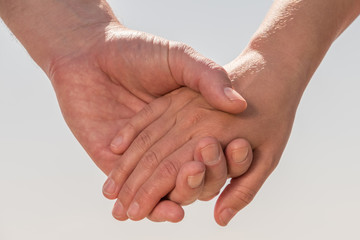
(50, 189)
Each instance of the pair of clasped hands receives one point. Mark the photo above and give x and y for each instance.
(165, 124)
(164, 145)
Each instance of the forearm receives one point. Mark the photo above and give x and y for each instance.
(298, 33)
(49, 29)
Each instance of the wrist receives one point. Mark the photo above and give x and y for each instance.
(299, 33)
(291, 51)
(265, 78)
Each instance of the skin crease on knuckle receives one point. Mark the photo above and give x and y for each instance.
(168, 169)
(243, 194)
(198, 120)
(149, 161)
(195, 119)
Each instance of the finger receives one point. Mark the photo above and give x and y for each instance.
(137, 123)
(191, 69)
(148, 115)
(145, 168)
(242, 190)
(189, 183)
(140, 145)
(168, 211)
(239, 157)
(132, 156)
(209, 151)
(161, 182)
(147, 137)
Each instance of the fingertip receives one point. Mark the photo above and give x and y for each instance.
(192, 168)
(176, 217)
(167, 211)
(235, 102)
(204, 144)
(237, 195)
(196, 180)
(225, 99)
(225, 216)
(210, 152)
(189, 183)
(239, 157)
(116, 145)
(215, 86)
(233, 95)
(110, 189)
(118, 211)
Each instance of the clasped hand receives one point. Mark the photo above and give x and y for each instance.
(166, 136)
(104, 90)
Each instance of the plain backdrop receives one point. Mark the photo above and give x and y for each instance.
(50, 188)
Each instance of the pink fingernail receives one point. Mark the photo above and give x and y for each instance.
(116, 143)
(118, 210)
(210, 154)
(109, 187)
(240, 155)
(133, 210)
(232, 95)
(226, 215)
(196, 180)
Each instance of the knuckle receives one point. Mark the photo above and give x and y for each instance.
(147, 111)
(168, 170)
(185, 48)
(120, 171)
(150, 160)
(192, 118)
(130, 127)
(146, 194)
(211, 65)
(143, 141)
(244, 195)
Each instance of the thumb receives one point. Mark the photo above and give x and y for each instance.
(191, 69)
(242, 190)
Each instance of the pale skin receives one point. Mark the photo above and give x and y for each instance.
(272, 73)
(94, 64)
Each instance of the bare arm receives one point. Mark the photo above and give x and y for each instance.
(54, 30)
(273, 71)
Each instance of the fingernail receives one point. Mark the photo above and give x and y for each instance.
(133, 210)
(196, 180)
(109, 187)
(239, 155)
(117, 142)
(232, 95)
(210, 154)
(118, 209)
(226, 215)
